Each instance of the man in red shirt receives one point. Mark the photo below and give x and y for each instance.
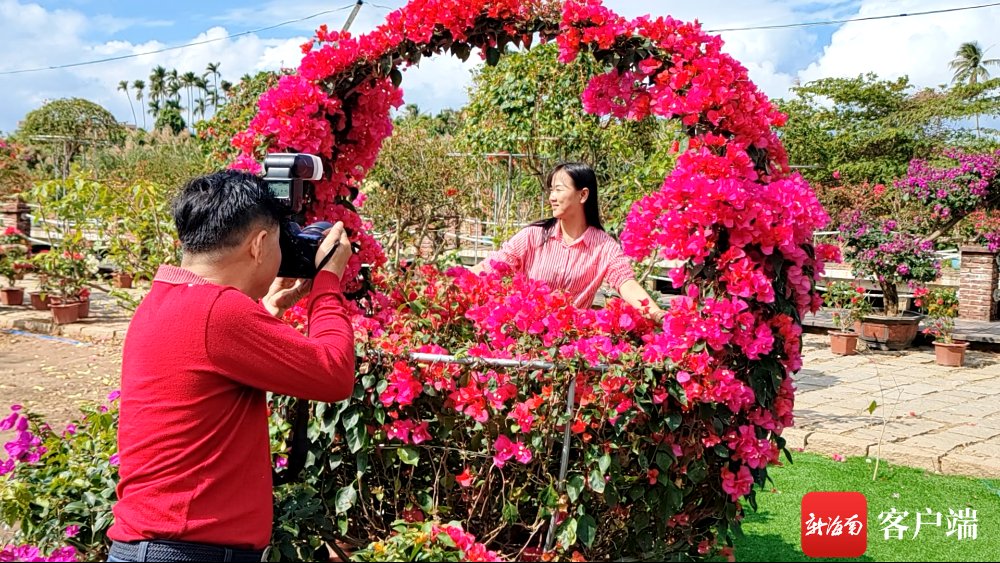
(203, 348)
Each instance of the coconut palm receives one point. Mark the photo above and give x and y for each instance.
(213, 70)
(123, 87)
(157, 87)
(189, 80)
(139, 86)
(971, 67)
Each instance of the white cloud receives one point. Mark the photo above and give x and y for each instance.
(918, 46)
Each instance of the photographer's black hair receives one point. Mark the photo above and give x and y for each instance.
(216, 211)
(583, 176)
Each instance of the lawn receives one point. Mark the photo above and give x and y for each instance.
(773, 533)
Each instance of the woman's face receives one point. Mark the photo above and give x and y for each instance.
(564, 198)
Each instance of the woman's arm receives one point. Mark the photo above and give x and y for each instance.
(635, 295)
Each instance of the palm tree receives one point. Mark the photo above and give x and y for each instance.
(227, 87)
(123, 87)
(200, 107)
(189, 80)
(970, 67)
(157, 87)
(154, 107)
(213, 69)
(139, 86)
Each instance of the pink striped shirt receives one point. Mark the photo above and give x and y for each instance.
(579, 267)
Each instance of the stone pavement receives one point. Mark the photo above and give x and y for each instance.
(944, 420)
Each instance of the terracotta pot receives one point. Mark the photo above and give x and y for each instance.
(84, 306)
(11, 296)
(843, 343)
(121, 280)
(951, 355)
(65, 313)
(890, 333)
(38, 302)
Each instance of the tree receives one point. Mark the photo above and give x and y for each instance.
(189, 80)
(123, 87)
(852, 131)
(216, 134)
(530, 104)
(157, 88)
(970, 67)
(170, 117)
(139, 86)
(71, 124)
(213, 70)
(969, 64)
(418, 193)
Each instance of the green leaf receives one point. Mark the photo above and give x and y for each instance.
(351, 417)
(357, 438)
(586, 529)
(346, 498)
(510, 513)
(604, 463)
(574, 486)
(674, 420)
(396, 77)
(597, 481)
(409, 456)
(872, 407)
(567, 533)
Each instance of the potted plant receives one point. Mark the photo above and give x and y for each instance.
(849, 306)
(877, 250)
(941, 305)
(13, 264)
(66, 272)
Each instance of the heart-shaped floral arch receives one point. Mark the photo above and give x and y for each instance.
(705, 399)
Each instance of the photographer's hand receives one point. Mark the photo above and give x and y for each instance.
(284, 293)
(335, 236)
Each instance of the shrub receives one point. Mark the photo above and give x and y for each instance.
(60, 485)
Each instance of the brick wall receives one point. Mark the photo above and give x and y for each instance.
(978, 280)
(15, 213)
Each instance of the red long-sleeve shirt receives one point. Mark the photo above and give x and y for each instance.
(192, 436)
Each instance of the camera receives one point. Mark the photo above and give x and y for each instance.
(289, 175)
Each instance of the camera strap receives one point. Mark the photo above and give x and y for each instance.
(327, 257)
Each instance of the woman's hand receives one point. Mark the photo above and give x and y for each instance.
(284, 293)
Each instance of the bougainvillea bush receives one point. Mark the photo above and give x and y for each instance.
(670, 426)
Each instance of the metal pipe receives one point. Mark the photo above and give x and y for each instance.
(564, 462)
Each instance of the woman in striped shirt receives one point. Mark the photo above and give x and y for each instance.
(571, 251)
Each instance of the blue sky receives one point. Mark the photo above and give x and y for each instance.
(46, 33)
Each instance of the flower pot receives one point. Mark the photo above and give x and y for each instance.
(65, 313)
(11, 296)
(952, 355)
(890, 333)
(38, 302)
(84, 306)
(121, 280)
(843, 343)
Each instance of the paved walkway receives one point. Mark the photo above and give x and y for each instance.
(941, 419)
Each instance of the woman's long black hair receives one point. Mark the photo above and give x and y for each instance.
(583, 176)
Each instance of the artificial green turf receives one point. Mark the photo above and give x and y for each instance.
(774, 532)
